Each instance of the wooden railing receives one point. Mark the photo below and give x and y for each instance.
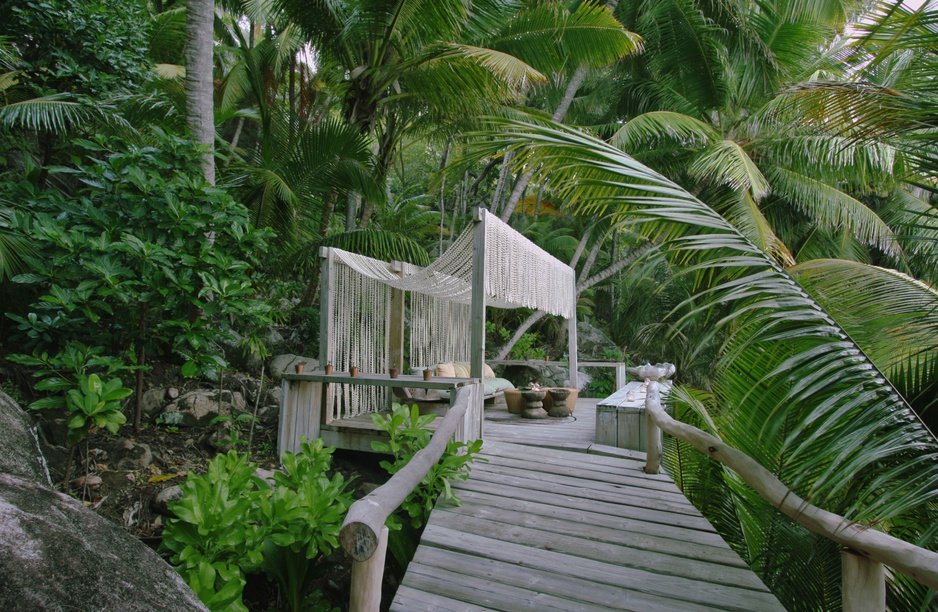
(866, 549)
(364, 535)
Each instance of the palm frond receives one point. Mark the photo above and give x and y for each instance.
(651, 127)
(552, 39)
(727, 163)
(834, 209)
(807, 402)
(52, 113)
(891, 315)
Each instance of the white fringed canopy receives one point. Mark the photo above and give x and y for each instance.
(492, 265)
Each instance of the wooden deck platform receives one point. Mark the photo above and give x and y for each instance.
(554, 522)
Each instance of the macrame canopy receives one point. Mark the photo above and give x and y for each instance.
(491, 265)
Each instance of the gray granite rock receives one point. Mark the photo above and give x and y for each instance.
(20, 454)
(55, 554)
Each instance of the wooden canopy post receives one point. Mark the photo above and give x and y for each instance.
(396, 337)
(325, 307)
(572, 350)
(864, 583)
(477, 329)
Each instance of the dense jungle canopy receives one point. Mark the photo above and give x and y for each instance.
(745, 189)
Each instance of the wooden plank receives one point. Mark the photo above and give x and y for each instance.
(637, 512)
(643, 581)
(616, 522)
(606, 429)
(572, 348)
(671, 501)
(408, 599)
(617, 464)
(635, 534)
(575, 593)
(611, 451)
(570, 485)
(600, 549)
(489, 593)
(574, 465)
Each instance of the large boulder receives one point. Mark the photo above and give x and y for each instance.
(286, 364)
(545, 375)
(20, 454)
(199, 407)
(55, 554)
(592, 343)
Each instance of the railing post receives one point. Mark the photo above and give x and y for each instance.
(367, 577)
(652, 431)
(864, 583)
(651, 374)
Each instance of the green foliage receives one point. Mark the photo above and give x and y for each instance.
(89, 402)
(231, 523)
(234, 430)
(525, 348)
(143, 253)
(89, 47)
(409, 433)
(95, 404)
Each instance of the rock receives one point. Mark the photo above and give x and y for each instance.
(55, 554)
(284, 364)
(132, 456)
(91, 480)
(20, 454)
(274, 393)
(152, 402)
(546, 375)
(196, 407)
(592, 343)
(172, 392)
(160, 502)
(267, 475)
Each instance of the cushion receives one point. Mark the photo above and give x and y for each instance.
(487, 372)
(446, 370)
(462, 369)
(494, 385)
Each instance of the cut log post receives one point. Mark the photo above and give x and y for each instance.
(653, 432)
(864, 583)
(651, 374)
(367, 577)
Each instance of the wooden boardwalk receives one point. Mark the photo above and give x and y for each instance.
(547, 524)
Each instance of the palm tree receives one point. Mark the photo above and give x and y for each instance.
(416, 66)
(791, 387)
(702, 106)
(200, 23)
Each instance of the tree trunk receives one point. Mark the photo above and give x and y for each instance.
(561, 111)
(200, 21)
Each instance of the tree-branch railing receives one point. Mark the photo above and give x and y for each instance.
(867, 549)
(364, 534)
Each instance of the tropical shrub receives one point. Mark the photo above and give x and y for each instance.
(409, 433)
(138, 253)
(231, 523)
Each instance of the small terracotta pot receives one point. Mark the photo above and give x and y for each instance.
(353, 371)
(329, 368)
(300, 367)
(392, 372)
(427, 374)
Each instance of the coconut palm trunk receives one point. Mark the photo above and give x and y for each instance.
(200, 18)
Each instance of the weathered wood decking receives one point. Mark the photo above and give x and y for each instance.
(547, 525)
